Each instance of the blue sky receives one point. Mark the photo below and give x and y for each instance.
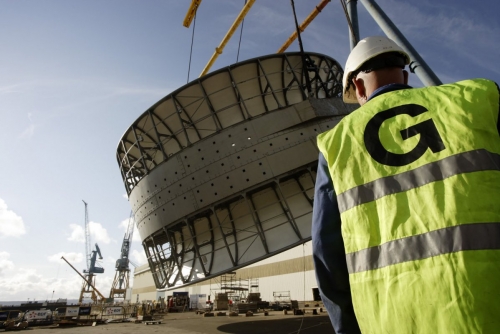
(75, 74)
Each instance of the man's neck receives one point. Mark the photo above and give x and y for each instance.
(386, 89)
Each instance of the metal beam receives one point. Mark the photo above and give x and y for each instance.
(191, 13)
(417, 64)
(352, 11)
(89, 281)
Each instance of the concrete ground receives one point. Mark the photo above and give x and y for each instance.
(191, 323)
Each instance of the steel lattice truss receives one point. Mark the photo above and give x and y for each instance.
(233, 232)
(219, 100)
(220, 173)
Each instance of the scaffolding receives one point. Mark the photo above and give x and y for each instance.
(235, 288)
(254, 285)
(282, 298)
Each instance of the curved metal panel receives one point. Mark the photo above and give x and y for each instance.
(220, 173)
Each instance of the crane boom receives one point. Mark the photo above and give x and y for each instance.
(88, 281)
(121, 281)
(87, 237)
(130, 228)
(123, 261)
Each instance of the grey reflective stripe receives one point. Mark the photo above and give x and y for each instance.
(473, 161)
(479, 236)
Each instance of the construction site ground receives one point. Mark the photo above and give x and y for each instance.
(276, 322)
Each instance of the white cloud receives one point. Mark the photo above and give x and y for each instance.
(11, 224)
(110, 260)
(97, 233)
(77, 233)
(23, 283)
(28, 283)
(5, 263)
(124, 225)
(139, 258)
(71, 257)
(11, 89)
(125, 196)
(28, 132)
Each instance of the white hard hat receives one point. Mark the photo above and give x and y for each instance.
(365, 50)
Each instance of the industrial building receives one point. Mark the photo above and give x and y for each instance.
(288, 272)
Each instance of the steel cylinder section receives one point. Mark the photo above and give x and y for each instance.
(220, 173)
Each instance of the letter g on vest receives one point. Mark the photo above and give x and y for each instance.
(429, 136)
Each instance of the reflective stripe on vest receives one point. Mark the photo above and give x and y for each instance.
(417, 178)
(473, 161)
(479, 236)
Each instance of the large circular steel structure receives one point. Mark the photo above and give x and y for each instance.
(220, 173)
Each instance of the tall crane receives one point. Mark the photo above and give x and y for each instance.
(122, 275)
(87, 237)
(88, 287)
(95, 292)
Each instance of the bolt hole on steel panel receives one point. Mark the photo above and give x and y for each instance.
(220, 173)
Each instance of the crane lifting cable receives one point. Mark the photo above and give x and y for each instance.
(241, 34)
(191, 51)
(349, 22)
(303, 25)
(306, 62)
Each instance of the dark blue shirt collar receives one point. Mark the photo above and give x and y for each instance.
(387, 88)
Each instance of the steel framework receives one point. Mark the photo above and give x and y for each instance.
(220, 173)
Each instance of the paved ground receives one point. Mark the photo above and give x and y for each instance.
(191, 323)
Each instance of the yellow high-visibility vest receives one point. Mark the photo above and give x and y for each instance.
(417, 177)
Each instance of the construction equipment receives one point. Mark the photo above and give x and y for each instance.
(236, 23)
(218, 50)
(87, 237)
(122, 275)
(191, 13)
(88, 287)
(89, 281)
(304, 25)
(16, 324)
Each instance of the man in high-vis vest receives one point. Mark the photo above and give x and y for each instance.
(406, 217)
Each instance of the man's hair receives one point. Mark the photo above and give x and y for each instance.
(384, 60)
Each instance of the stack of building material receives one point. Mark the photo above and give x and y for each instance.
(221, 301)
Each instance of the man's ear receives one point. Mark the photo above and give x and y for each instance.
(405, 76)
(359, 83)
